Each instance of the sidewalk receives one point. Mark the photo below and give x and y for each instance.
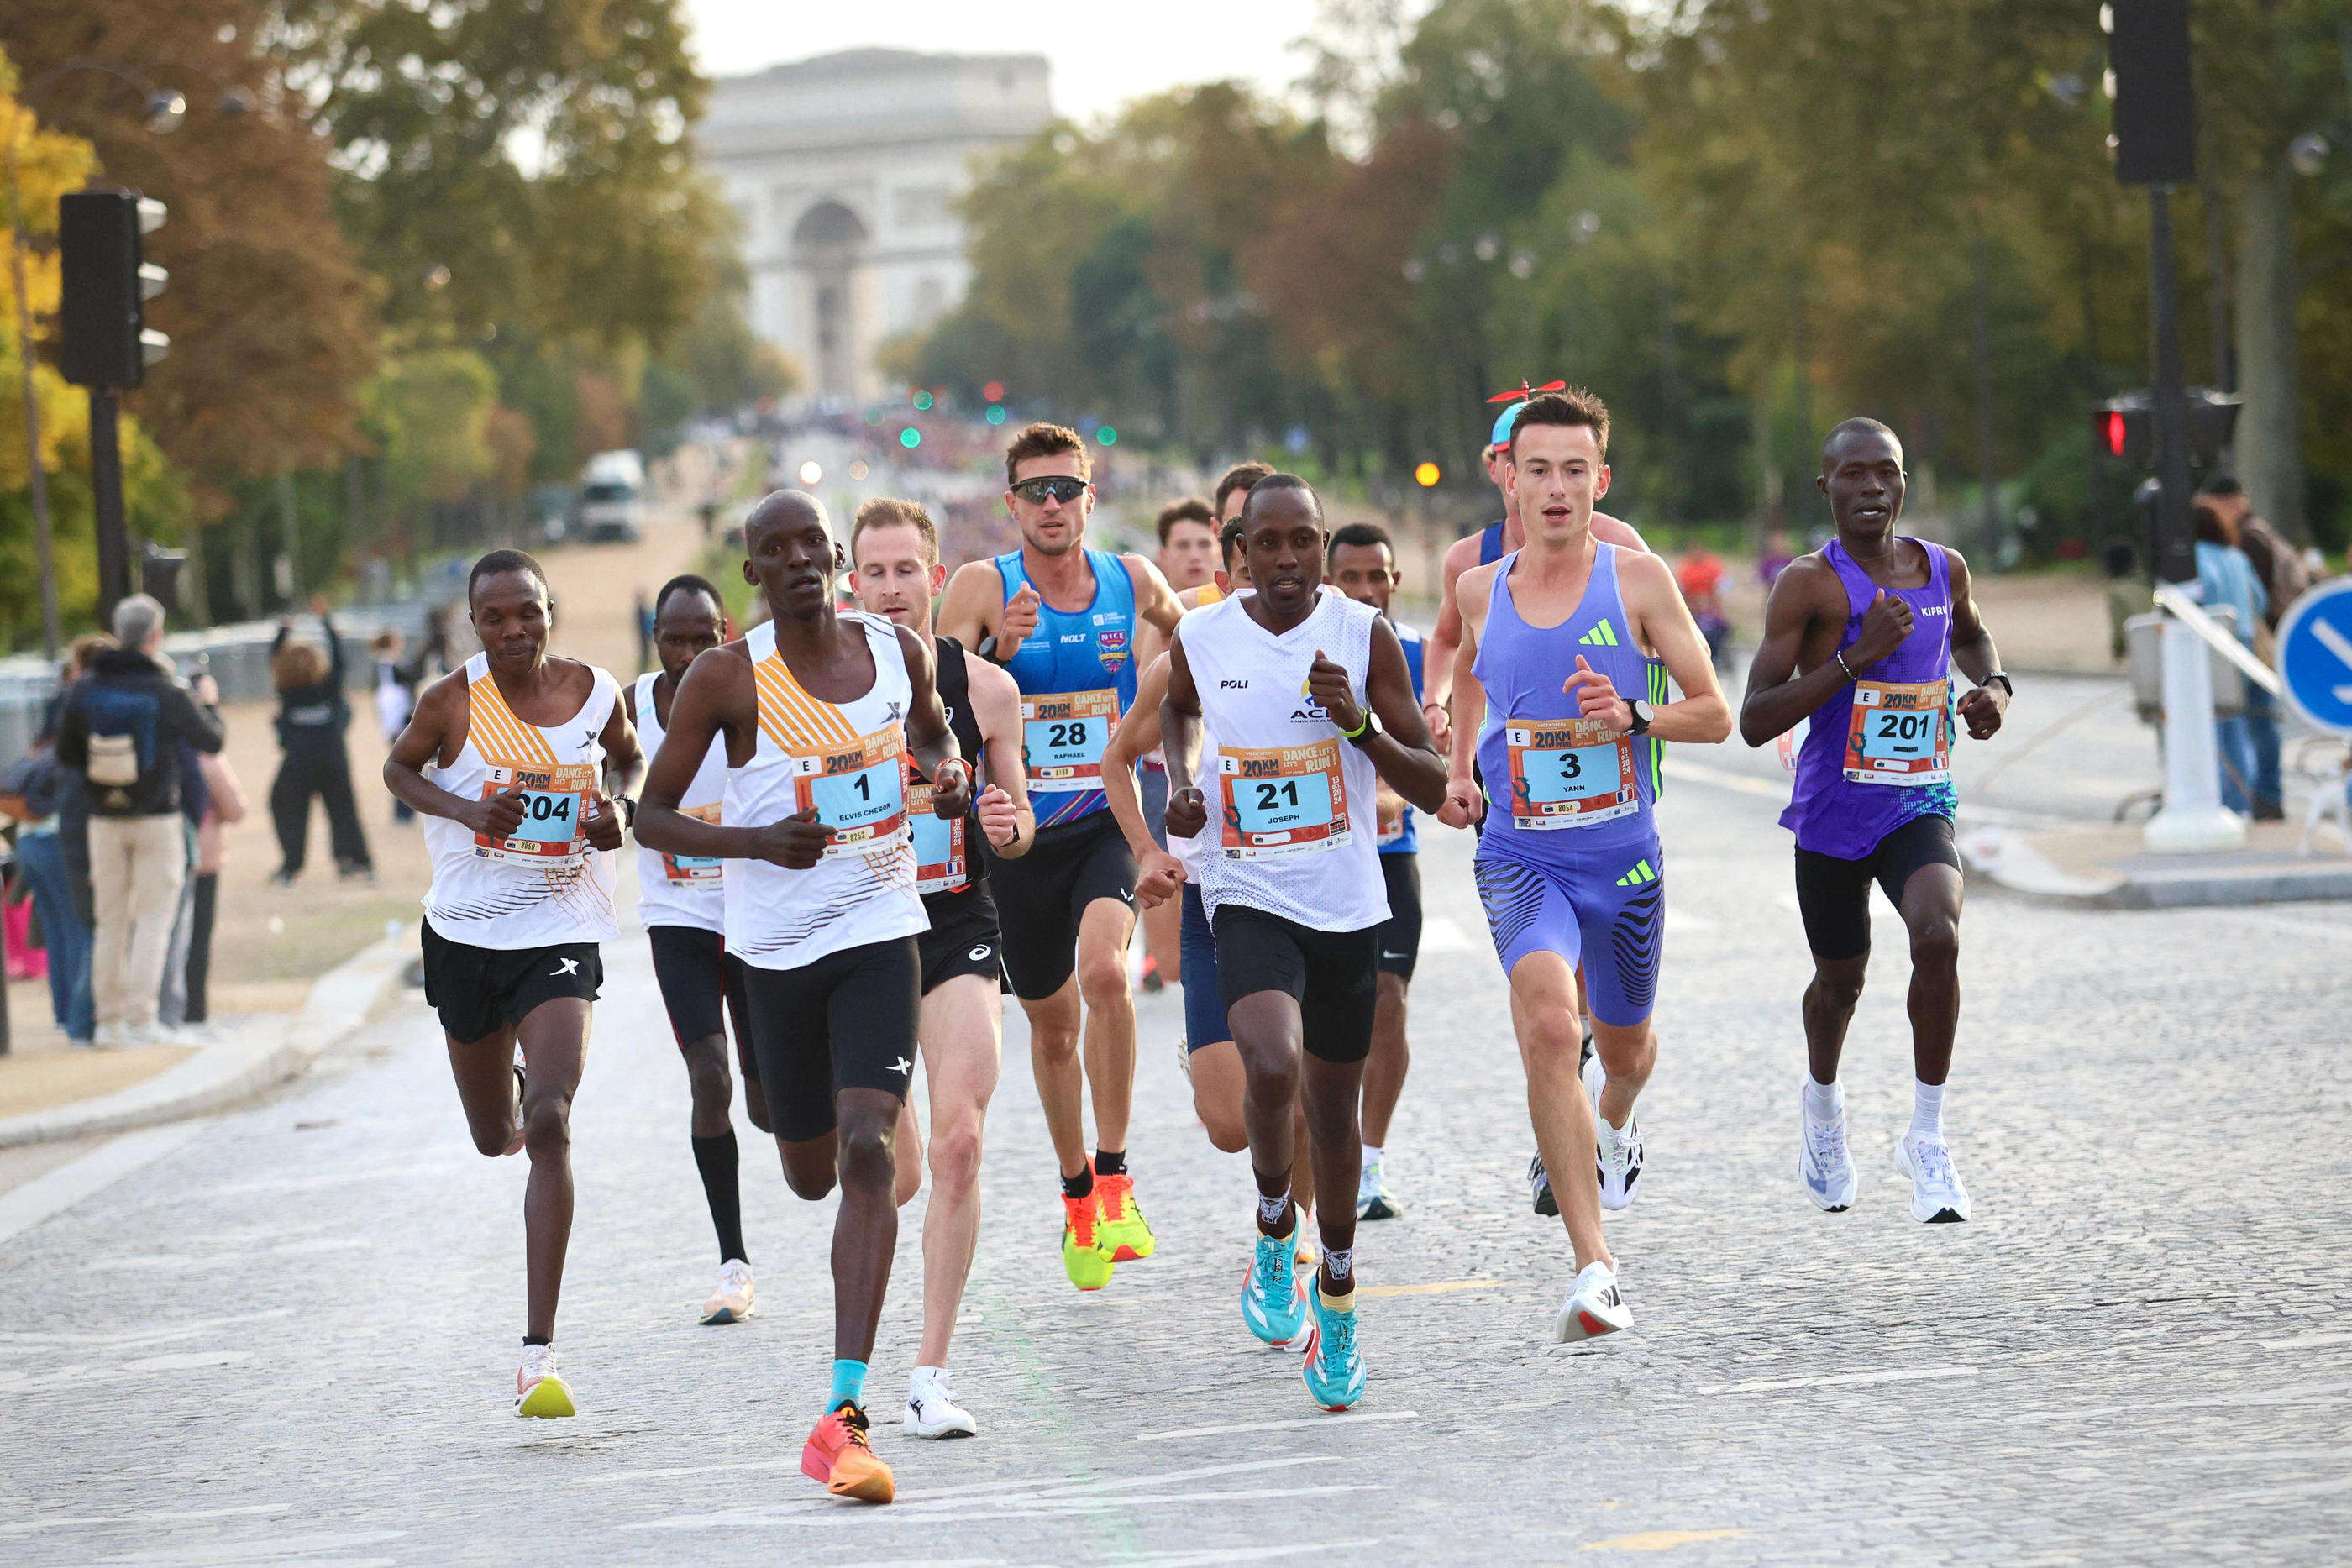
(2108, 867)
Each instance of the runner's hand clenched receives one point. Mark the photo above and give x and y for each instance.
(1884, 625)
(603, 823)
(1598, 697)
(1981, 710)
(999, 817)
(795, 843)
(952, 788)
(497, 816)
(1187, 814)
(1327, 682)
(1462, 805)
(1158, 875)
(1020, 621)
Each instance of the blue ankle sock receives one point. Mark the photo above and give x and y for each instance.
(849, 1383)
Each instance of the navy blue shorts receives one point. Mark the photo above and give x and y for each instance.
(1204, 1007)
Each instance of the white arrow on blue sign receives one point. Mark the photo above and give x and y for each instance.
(2314, 656)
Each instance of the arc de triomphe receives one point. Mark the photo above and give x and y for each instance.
(845, 170)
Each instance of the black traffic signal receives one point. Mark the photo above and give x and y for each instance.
(106, 341)
(2124, 428)
(2155, 107)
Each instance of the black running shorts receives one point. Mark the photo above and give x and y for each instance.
(1400, 933)
(701, 986)
(962, 939)
(1833, 894)
(1331, 973)
(1042, 896)
(477, 991)
(844, 1022)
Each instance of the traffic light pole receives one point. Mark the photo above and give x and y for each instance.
(2192, 819)
(105, 502)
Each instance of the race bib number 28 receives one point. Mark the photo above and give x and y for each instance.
(1063, 739)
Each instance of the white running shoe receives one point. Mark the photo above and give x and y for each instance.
(1184, 1056)
(1595, 1077)
(1594, 1306)
(1936, 1196)
(1621, 1163)
(1825, 1163)
(932, 1409)
(730, 1303)
(110, 1037)
(539, 1389)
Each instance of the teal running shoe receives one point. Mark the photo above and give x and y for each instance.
(1335, 1367)
(1274, 1302)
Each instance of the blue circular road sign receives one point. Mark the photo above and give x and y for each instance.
(2315, 655)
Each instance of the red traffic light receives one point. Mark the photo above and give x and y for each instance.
(2115, 432)
(994, 392)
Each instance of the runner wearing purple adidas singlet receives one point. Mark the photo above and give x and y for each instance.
(1570, 860)
(1874, 622)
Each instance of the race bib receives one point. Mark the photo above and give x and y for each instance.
(858, 791)
(1063, 739)
(1897, 734)
(1283, 801)
(554, 799)
(702, 870)
(1571, 773)
(939, 863)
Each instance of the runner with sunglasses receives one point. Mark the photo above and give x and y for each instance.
(1063, 620)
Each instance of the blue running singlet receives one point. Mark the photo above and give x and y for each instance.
(1077, 675)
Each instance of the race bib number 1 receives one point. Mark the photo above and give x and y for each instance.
(1283, 801)
(1571, 773)
(554, 797)
(859, 791)
(695, 870)
(1897, 734)
(1063, 739)
(939, 863)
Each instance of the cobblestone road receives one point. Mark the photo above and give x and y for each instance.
(291, 1338)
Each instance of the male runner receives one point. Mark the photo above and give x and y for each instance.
(1263, 706)
(1063, 620)
(1188, 559)
(893, 550)
(509, 760)
(683, 909)
(821, 711)
(1569, 867)
(1364, 567)
(1861, 636)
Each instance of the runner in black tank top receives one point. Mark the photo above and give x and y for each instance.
(895, 556)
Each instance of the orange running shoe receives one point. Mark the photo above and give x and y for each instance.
(837, 1454)
(1121, 1227)
(1084, 1257)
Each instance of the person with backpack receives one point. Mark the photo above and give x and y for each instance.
(120, 727)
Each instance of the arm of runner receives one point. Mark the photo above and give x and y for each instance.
(996, 708)
(930, 743)
(970, 608)
(1664, 621)
(623, 760)
(1972, 651)
(1180, 743)
(440, 713)
(1464, 805)
(1437, 656)
(1808, 605)
(1158, 872)
(716, 696)
(1402, 753)
(1155, 602)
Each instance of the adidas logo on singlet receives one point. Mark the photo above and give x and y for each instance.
(1601, 636)
(1641, 874)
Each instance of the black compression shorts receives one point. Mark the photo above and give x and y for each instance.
(1042, 897)
(842, 1021)
(1400, 933)
(479, 991)
(701, 986)
(1833, 894)
(962, 939)
(1330, 975)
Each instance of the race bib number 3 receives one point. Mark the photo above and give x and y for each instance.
(694, 870)
(555, 798)
(1897, 734)
(1063, 739)
(858, 791)
(1571, 773)
(1283, 801)
(939, 863)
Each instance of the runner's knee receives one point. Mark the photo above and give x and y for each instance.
(955, 1156)
(707, 1076)
(810, 1176)
(1934, 941)
(1102, 977)
(867, 1158)
(1839, 982)
(546, 1127)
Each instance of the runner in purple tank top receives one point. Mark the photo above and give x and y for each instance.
(1874, 622)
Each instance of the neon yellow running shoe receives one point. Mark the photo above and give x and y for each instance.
(1083, 1257)
(1122, 1229)
(539, 1389)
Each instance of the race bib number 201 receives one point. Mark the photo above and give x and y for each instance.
(1897, 734)
(554, 799)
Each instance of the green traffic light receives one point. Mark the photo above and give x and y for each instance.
(995, 414)
(922, 400)
(910, 437)
(1107, 435)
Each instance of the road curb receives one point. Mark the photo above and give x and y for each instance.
(264, 1052)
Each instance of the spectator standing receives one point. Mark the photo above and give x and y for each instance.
(45, 796)
(211, 798)
(312, 715)
(120, 726)
(1775, 558)
(395, 699)
(2280, 567)
(2225, 578)
(1700, 573)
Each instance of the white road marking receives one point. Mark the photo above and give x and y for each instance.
(1841, 1380)
(279, 1549)
(82, 1372)
(53, 1193)
(2308, 1341)
(39, 1526)
(1302, 1422)
(1011, 1491)
(1442, 935)
(30, 1340)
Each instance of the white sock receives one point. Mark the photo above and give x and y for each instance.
(1823, 1100)
(1372, 1164)
(1927, 1111)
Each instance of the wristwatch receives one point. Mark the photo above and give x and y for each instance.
(987, 649)
(1642, 713)
(2003, 678)
(1362, 738)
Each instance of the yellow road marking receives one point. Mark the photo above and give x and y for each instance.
(1438, 1289)
(1660, 1540)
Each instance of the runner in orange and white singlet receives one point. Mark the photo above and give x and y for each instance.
(510, 761)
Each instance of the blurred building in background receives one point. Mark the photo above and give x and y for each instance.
(846, 170)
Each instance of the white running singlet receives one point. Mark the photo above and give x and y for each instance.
(681, 890)
(849, 760)
(1292, 818)
(546, 885)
